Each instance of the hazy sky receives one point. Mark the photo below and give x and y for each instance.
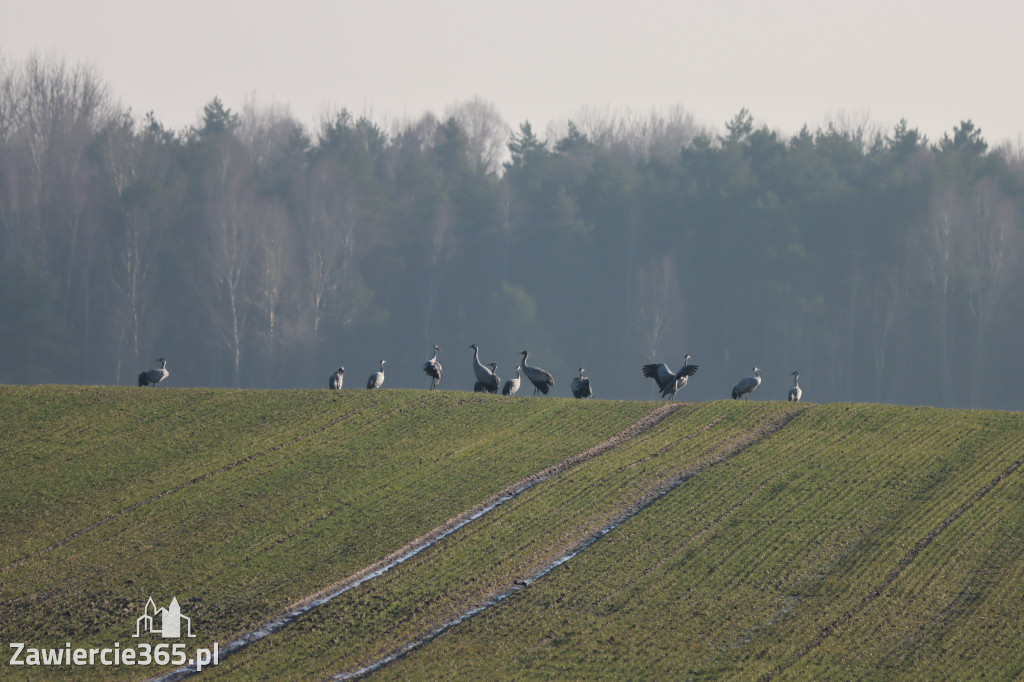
(789, 62)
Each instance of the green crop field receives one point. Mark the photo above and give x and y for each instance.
(629, 540)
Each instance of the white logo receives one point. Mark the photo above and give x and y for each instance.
(163, 622)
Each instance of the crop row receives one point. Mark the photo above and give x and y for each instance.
(860, 542)
(760, 540)
(241, 502)
(508, 547)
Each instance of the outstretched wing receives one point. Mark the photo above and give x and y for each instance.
(685, 371)
(660, 372)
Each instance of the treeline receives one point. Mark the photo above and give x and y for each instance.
(250, 251)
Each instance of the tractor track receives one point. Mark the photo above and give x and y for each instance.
(723, 453)
(432, 537)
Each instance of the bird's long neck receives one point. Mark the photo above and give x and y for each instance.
(163, 364)
(796, 380)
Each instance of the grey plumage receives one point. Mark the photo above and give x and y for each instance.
(153, 377)
(490, 386)
(376, 379)
(488, 381)
(670, 382)
(433, 369)
(542, 381)
(746, 385)
(334, 383)
(796, 392)
(512, 385)
(581, 387)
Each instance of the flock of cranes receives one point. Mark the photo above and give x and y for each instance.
(487, 380)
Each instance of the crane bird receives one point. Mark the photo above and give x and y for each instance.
(153, 377)
(746, 385)
(485, 378)
(433, 369)
(376, 379)
(512, 385)
(479, 387)
(581, 387)
(334, 383)
(542, 381)
(796, 392)
(668, 381)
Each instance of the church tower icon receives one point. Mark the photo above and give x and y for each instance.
(165, 622)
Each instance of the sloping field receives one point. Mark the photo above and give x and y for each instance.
(240, 502)
(858, 542)
(535, 537)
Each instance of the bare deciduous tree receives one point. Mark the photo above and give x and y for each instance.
(937, 246)
(135, 241)
(656, 301)
(992, 251)
(486, 131)
(271, 277)
(437, 239)
(638, 135)
(229, 241)
(50, 113)
(269, 134)
(332, 242)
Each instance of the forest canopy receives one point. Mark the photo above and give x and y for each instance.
(252, 251)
